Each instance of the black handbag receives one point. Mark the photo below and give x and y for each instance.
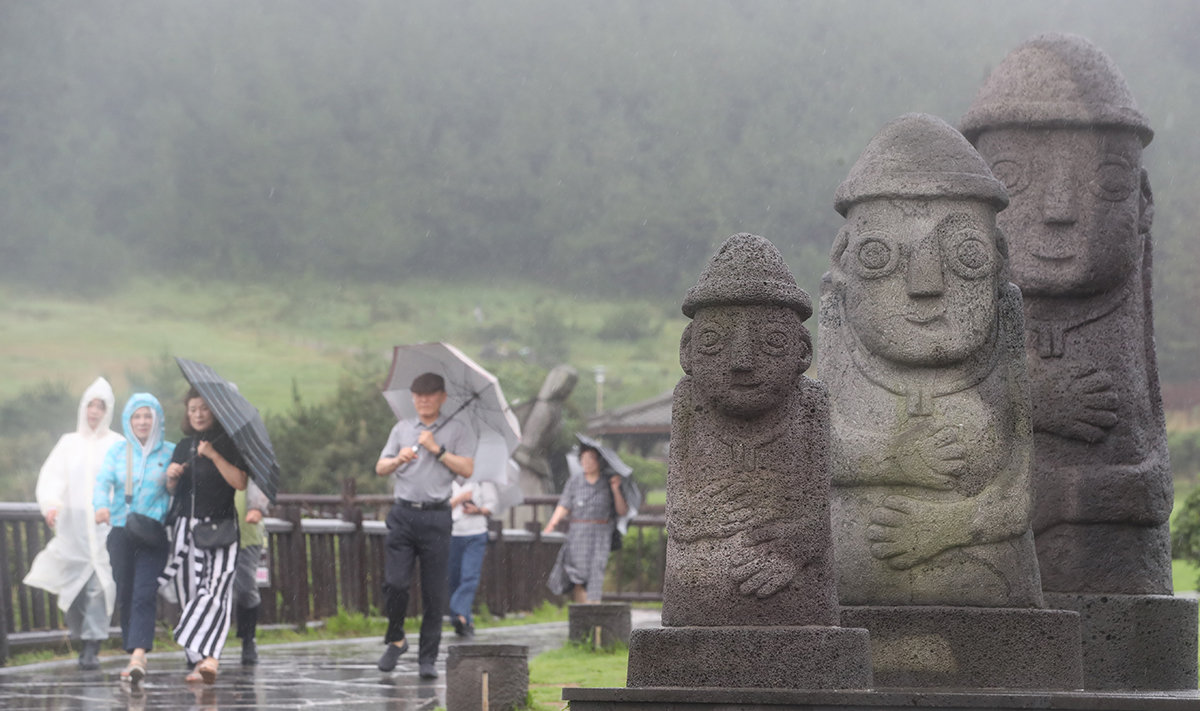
(615, 544)
(210, 535)
(221, 533)
(143, 529)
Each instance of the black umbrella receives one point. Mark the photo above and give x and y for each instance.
(240, 420)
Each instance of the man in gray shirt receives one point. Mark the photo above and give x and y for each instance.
(423, 456)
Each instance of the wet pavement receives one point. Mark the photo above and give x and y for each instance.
(325, 674)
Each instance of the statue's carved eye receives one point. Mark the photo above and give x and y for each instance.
(969, 253)
(711, 340)
(874, 254)
(774, 342)
(1115, 180)
(1012, 173)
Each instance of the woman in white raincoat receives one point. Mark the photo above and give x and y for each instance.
(74, 565)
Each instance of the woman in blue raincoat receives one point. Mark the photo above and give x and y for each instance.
(143, 457)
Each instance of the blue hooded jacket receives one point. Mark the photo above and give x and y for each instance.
(150, 497)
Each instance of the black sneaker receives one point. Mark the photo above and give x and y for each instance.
(89, 657)
(249, 652)
(388, 661)
(428, 671)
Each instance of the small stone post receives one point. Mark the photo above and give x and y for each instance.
(486, 677)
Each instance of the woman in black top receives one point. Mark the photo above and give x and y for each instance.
(205, 470)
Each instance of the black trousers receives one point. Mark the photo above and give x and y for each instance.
(414, 535)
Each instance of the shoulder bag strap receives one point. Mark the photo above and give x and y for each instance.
(128, 475)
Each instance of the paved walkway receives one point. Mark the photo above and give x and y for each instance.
(326, 674)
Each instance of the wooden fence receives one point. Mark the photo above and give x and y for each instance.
(326, 554)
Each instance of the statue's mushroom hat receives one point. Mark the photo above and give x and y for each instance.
(746, 271)
(919, 156)
(1055, 80)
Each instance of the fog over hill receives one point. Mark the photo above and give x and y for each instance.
(606, 146)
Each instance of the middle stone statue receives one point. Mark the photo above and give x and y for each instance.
(922, 350)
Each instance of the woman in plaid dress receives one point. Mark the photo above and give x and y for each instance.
(593, 501)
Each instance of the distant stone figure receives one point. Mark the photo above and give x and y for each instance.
(539, 429)
(1060, 127)
(921, 349)
(747, 496)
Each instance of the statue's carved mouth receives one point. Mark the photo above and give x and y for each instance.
(920, 318)
(1052, 257)
(742, 385)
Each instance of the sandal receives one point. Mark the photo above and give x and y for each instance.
(208, 670)
(135, 671)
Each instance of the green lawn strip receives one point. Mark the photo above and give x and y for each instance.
(573, 665)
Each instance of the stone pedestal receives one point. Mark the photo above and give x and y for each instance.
(608, 619)
(1138, 642)
(708, 699)
(965, 647)
(486, 677)
(750, 657)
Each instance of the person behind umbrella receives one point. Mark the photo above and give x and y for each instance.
(74, 565)
(423, 456)
(251, 504)
(143, 457)
(205, 472)
(471, 503)
(593, 503)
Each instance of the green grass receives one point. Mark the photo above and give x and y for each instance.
(573, 665)
(263, 336)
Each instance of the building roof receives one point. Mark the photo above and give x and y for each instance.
(651, 416)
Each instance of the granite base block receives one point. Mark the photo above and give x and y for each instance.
(611, 618)
(766, 657)
(506, 667)
(708, 699)
(1135, 642)
(971, 647)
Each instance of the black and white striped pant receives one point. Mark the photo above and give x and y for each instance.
(205, 591)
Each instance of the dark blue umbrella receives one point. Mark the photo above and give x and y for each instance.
(240, 420)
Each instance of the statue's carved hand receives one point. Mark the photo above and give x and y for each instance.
(905, 531)
(729, 507)
(771, 561)
(1074, 401)
(929, 455)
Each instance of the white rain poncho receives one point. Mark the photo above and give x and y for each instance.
(65, 485)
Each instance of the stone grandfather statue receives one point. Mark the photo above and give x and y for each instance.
(921, 347)
(1059, 125)
(747, 496)
(539, 428)
(749, 588)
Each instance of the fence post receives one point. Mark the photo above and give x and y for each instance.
(354, 555)
(298, 553)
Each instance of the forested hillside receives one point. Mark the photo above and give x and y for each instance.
(605, 146)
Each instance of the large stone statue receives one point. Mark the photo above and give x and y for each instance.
(1059, 126)
(921, 346)
(749, 590)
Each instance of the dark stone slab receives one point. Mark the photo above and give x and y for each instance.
(978, 647)
(612, 619)
(1140, 642)
(770, 657)
(706, 699)
(502, 670)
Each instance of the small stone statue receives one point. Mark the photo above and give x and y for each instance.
(921, 348)
(747, 495)
(749, 589)
(1059, 126)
